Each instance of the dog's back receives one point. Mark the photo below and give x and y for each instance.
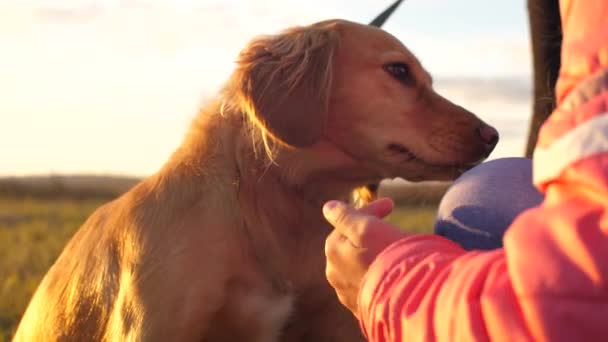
(117, 277)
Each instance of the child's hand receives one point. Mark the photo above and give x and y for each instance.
(359, 236)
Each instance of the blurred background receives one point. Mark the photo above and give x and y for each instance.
(96, 94)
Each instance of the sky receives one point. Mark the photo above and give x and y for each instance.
(110, 87)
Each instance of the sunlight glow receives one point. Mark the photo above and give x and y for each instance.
(92, 86)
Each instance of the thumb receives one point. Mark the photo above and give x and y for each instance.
(361, 224)
(379, 208)
(333, 210)
(347, 221)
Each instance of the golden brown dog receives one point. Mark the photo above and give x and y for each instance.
(225, 242)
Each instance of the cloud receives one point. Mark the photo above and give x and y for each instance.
(490, 54)
(224, 27)
(498, 89)
(86, 69)
(69, 11)
(503, 102)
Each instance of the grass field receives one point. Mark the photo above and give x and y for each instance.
(34, 229)
(32, 234)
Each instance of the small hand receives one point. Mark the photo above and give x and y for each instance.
(359, 236)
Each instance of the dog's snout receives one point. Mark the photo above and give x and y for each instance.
(488, 135)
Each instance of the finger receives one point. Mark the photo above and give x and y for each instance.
(331, 243)
(379, 208)
(358, 228)
(336, 280)
(339, 286)
(346, 220)
(334, 211)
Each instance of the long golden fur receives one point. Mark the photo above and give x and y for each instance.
(225, 241)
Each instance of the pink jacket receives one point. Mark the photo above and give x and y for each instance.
(550, 281)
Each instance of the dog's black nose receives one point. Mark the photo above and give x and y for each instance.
(488, 135)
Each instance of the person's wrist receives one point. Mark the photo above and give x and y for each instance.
(361, 313)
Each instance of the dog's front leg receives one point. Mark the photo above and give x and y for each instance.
(178, 313)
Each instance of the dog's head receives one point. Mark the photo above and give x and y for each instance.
(359, 89)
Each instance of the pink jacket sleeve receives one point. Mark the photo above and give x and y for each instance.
(550, 281)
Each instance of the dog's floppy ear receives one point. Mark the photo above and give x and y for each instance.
(283, 83)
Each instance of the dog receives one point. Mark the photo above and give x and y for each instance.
(225, 242)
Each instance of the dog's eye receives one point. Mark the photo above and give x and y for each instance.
(400, 71)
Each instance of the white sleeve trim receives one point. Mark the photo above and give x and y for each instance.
(587, 139)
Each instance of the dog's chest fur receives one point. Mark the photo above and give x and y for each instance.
(278, 291)
(286, 296)
(250, 315)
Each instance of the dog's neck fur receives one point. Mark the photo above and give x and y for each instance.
(227, 141)
(280, 200)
